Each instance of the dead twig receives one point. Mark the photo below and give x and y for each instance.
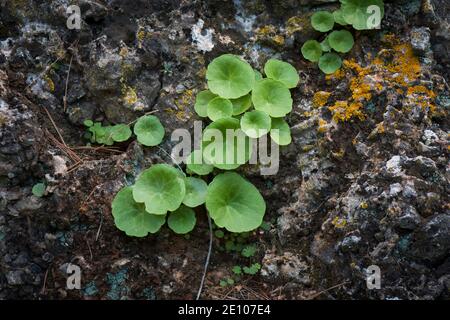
(326, 290)
(45, 281)
(145, 114)
(67, 84)
(99, 228)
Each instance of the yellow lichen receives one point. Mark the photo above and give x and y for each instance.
(364, 205)
(295, 24)
(339, 223)
(344, 111)
(270, 33)
(278, 39)
(182, 103)
(320, 98)
(123, 52)
(322, 126)
(129, 95)
(50, 83)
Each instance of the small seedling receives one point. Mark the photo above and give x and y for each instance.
(219, 234)
(360, 14)
(249, 251)
(253, 269)
(38, 189)
(237, 270)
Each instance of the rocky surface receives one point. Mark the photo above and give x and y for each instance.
(365, 181)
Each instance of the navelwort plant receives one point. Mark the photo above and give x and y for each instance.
(360, 14)
(148, 130)
(163, 192)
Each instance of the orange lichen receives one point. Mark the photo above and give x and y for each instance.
(320, 98)
(360, 90)
(344, 111)
(322, 126)
(337, 75)
(422, 96)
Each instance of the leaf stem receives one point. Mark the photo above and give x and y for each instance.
(207, 257)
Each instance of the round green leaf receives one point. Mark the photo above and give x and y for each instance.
(280, 132)
(311, 50)
(341, 41)
(325, 45)
(234, 203)
(339, 18)
(258, 75)
(358, 13)
(182, 220)
(201, 102)
(329, 63)
(225, 145)
(230, 77)
(255, 123)
(120, 132)
(149, 130)
(272, 97)
(195, 163)
(322, 21)
(38, 189)
(241, 104)
(88, 123)
(195, 192)
(282, 71)
(131, 217)
(161, 188)
(219, 108)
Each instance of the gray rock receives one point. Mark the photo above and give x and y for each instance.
(81, 111)
(15, 277)
(420, 39)
(410, 219)
(350, 243)
(432, 242)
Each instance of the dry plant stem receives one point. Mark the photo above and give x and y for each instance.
(207, 257)
(326, 290)
(145, 114)
(67, 84)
